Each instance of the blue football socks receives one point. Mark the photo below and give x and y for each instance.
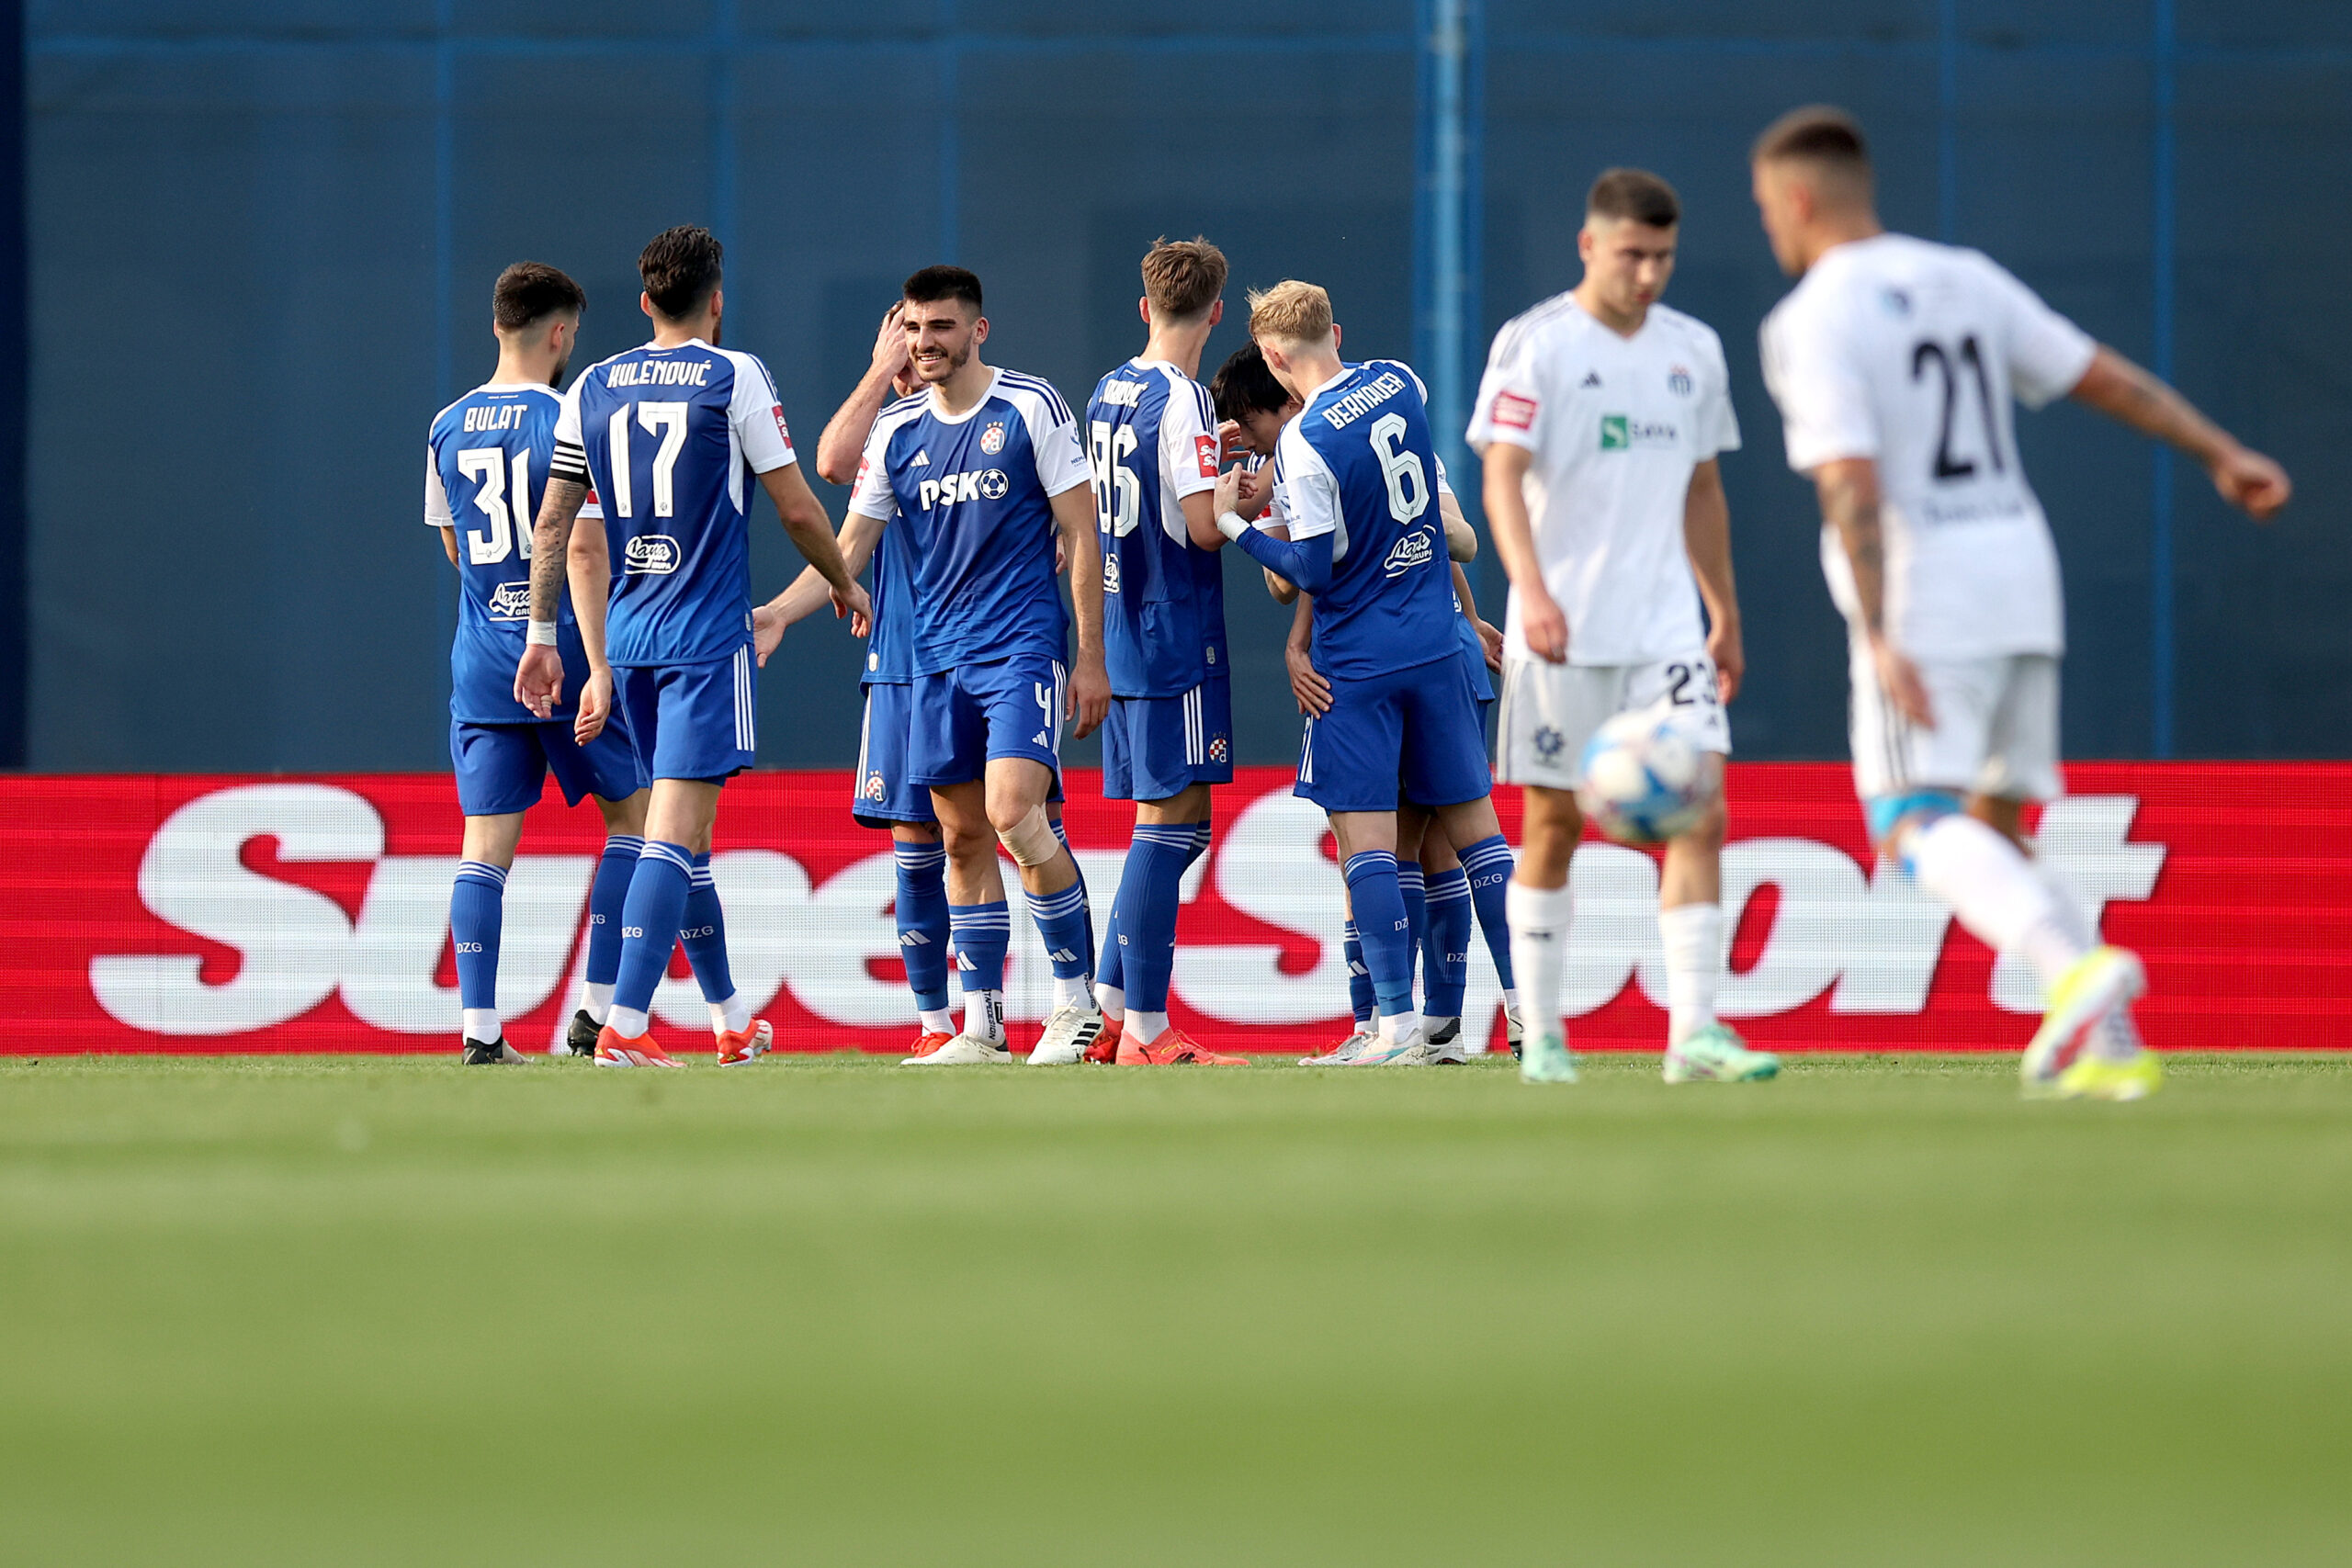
(1445, 944)
(923, 920)
(477, 915)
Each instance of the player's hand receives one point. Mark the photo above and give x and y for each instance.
(595, 707)
(1545, 626)
(1089, 702)
(1899, 679)
(890, 341)
(1257, 490)
(2252, 483)
(768, 632)
(1231, 445)
(1234, 494)
(1731, 659)
(1490, 640)
(1307, 683)
(857, 606)
(538, 678)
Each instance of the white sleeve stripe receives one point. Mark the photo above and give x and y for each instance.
(1043, 390)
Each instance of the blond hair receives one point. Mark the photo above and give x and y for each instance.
(1291, 313)
(1184, 277)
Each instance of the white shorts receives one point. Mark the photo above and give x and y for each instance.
(1549, 711)
(1996, 728)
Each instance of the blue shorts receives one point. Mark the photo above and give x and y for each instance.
(1419, 729)
(690, 721)
(503, 768)
(1157, 746)
(967, 717)
(884, 792)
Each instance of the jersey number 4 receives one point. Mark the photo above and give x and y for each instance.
(487, 466)
(669, 422)
(1118, 489)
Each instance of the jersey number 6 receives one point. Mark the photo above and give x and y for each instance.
(1400, 467)
(1118, 494)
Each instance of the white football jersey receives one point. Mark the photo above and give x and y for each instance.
(1617, 425)
(1912, 354)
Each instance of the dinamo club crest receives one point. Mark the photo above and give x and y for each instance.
(992, 438)
(874, 788)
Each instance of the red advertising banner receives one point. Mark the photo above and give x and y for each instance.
(182, 913)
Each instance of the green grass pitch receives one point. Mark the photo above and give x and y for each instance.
(824, 1310)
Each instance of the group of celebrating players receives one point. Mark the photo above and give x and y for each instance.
(607, 631)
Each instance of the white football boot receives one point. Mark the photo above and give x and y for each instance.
(1069, 1031)
(964, 1051)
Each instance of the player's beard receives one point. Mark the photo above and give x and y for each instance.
(955, 361)
(555, 377)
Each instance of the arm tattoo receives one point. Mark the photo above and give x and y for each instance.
(551, 542)
(1852, 510)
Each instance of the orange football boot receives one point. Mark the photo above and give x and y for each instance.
(1174, 1049)
(1106, 1044)
(614, 1049)
(928, 1040)
(735, 1049)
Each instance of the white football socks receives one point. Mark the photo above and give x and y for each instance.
(1539, 920)
(1112, 1000)
(1996, 893)
(1397, 1026)
(731, 1017)
(1070, 991)
(630, 1023)
(938, 1020)
(596, 1001)
(984, 1016)
(1692, 936)
(1143, 1028)
(482, 1024)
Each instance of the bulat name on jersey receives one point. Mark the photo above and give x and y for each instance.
(1122, 394)
(1416, 548)
(985, 484)
(659, 373)
(1363, 400)
(510, 602)
(496, 416)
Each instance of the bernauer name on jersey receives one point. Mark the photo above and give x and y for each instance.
(1363, 400)
(1622, 433)
(659, 373)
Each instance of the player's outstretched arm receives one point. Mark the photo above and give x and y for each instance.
(1850, 501)
(811, 533)
(538, 678)
(1088, 702)
(1706, 539)
(839, 448)
(860, 533)
(590, 571)
(1540, 616)
(1304, 565)
(2130, 395)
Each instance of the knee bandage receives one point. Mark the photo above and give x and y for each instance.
(1031, 841)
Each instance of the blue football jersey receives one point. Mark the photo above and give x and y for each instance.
(971, 496)
(486, 463)
(1358, 464)
(1151, 441)
(669, 438)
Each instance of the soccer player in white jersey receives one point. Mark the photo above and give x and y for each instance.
(1894, 362)
(486, 463)
(1600, 419)
(980, 474)
(669, 434)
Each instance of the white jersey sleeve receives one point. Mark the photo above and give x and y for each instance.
(1718, 426)
(1187, 443)
(591, 510)
(436, 497)
(1053, 438)
(871, 495)
(2048, 354)
(1510, 397)
(757, 417)
(570, 457)
(1821, 384)
(1304, 488)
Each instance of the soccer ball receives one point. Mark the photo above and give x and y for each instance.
(1643, 780)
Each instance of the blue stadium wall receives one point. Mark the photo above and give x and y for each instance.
(262, 236)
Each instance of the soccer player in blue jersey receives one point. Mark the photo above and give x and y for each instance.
(486, 465)
(977, 474)
(1440, 900)
(669, 435)
(1152, 445)
(1356, 475)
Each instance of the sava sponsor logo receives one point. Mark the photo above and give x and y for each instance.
(510, 602)
(985, 484)
(650, 553)
(237, 950)
(1416, 548)
(1623, 432)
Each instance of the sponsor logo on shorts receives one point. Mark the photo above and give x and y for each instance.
(651, 553)
(1549, 742)
(875, 788)
(1416, 548)
(510, 602)
(1217, 749)
(992, 438)
(1514, 411)
(1623, 432)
